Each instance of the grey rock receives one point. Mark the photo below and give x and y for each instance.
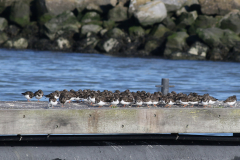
(171, 5)
(3, 23)
(137, 31)
(109, 24)
(90, 16)
(118, 13)
(211, 36)
(215, 54)
(215, 37)
(176, 42)
(218, 7)
(20, 43)
(63, 43)
(90, 28)
(93, 7)
(186, 19)
(115, 33)
(3, 37)
(169, 23)
(204, 21)
(20, 13)
(198, 49)
(185, 56)
(64, 22)
(151, 45)
(150, 13)
(231, 21)
(174, 5)
(109, 45)
(159, 31)
(102, 32)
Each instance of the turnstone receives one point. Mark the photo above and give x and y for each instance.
(64, 98)
(212, 100)
(100, 101)
(91, 98)
(52, 101)
(138, 101)
(29, 95)
(155, 100)
(126, 101)
(184, 101)
(231, 100)
(169, 101)
(205, 101)
(38, 94)
(147, 101)
(193, 100)
(55, 94)
(114, 101)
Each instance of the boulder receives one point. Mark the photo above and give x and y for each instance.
(159, 31)
(185, 56)
(115, 33)
(199, 49)
(90, 16)
(65, 22)
(151, 45)
(109, 45)
(118, 13)
(93, 7)
(56, 7)
(137, 31)
(204, 21)
(19, 43)
(186, 19)
(90, 28)
(108, 24)
(210, 36)
(215, 37)
(171, 5)
(5, 3)
(45, 18)
(3, 37)
(63, 43)
(102, 32)
(151, 13)
(3, 23)
(215, 55)
(174, 5)
(230, 39)
(218, 7)
(20, 13)
(12, 30)
(176, 42)
(169, 23)
(231, 21)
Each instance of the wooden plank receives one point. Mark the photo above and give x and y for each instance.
(107, 120)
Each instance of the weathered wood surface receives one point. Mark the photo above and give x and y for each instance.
(37, 118)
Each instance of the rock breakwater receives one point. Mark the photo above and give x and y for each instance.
(182, 29)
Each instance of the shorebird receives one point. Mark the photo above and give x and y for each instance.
(52, 101)
(38, 94)
(231, 100)
(29, 95)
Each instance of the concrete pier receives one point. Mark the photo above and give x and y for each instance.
(81, 118)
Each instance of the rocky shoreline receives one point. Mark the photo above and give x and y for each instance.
(172, 29)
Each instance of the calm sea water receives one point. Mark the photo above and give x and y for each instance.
(22, 71)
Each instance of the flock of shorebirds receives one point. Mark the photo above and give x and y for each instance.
(139, 98)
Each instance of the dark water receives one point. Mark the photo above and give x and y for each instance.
(21, 71)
